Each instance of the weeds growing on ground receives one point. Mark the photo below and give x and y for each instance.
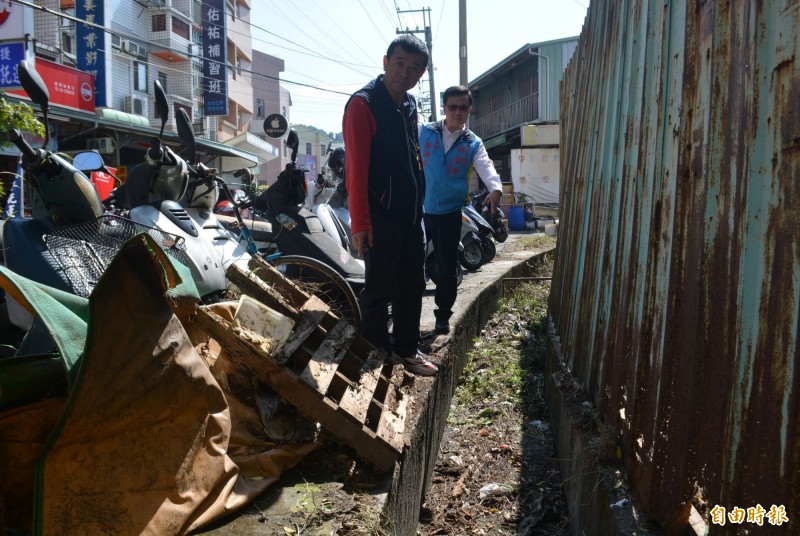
(532, 241)
(501, 369)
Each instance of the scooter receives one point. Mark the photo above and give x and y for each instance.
(62, 196)
(329, 200)
(167, 194)
(470, 254)
(484, 230)
(499, 230)
(297, 230)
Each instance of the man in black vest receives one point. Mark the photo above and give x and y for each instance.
(386, 186)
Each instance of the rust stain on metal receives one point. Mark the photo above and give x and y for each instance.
(676, 287)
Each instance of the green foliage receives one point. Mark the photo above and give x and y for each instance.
(18, 116)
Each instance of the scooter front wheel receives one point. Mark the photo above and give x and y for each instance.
(489, 249)
(472, 256)
(318, 279)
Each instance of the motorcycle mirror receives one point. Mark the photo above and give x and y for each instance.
(162, 106)
(293, 142)
(88, 161)
(36, 89)
(186, 134)
(33, 84)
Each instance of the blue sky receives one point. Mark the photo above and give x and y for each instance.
(338, 45)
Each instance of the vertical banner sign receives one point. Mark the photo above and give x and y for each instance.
(10, 56)
(215, 57)
(90, 48)
(13, 208)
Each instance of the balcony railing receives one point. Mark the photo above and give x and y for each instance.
(516, 113)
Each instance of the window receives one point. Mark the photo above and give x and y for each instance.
(66, 42)
(140, 76)
(308, 147)
(179, 27)
(322, 149)
(260, 108)
(159, 23)
(162, 77)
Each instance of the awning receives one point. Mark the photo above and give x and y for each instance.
(234, 158)
(252, 144)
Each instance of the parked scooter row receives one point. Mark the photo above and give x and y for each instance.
(329, 202)
(71, 237)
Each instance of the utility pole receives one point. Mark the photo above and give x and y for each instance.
(462, 42)
(426, 20)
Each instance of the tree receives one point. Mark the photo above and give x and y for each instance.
(19, 116)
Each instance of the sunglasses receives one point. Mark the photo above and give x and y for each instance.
(454, 107)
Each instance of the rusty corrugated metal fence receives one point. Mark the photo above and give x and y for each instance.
(676, 291)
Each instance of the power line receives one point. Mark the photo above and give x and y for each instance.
(387, 12)
(439, 24)
(310, 37)
(342, 33)
(370, 17)
(123, 35)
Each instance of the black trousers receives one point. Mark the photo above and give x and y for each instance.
(444, 230)
(395, 272)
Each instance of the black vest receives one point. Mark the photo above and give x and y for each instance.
(396, 181)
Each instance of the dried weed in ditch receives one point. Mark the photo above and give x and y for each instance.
(496, 473)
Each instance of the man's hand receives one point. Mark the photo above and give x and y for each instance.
(362, 240)
(492, 200)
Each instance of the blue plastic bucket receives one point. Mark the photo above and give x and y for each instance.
(516, 218)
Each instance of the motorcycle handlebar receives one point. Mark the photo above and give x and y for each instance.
(155, 152)
(16, 138)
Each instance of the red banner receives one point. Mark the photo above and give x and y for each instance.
(103, 182)
(68, 87)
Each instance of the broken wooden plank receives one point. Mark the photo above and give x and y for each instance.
(322, 366)
(308, 321)
(357, 398)
(392, 424)
(372, 449)
(256, 287)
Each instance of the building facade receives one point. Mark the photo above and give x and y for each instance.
(154, 40)
(269, 98)
(521, 89)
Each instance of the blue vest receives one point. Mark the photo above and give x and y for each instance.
(446, 175)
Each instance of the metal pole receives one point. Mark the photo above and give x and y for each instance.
(429, 39)
(462, 41)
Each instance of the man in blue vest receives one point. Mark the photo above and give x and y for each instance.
(449, 153)
(386, 186)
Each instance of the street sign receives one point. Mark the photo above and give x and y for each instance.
(10, 56)
(275, 125)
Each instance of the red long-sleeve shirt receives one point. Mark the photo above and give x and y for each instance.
(358, 129)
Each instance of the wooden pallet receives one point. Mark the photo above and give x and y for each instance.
(325, 369)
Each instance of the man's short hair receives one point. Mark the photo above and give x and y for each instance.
(457, 91)
(409, 43)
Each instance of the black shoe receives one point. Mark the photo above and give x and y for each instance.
(442, 327)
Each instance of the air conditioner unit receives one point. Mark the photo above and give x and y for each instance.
(135, 105)
(133, 48)
(104, 145)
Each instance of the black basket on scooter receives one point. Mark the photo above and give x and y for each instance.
(84, 251)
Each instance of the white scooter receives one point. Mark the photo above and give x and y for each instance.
(168, 194)
(329, 200)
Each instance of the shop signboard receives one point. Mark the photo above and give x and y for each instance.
(215, 53)
(91, 44)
